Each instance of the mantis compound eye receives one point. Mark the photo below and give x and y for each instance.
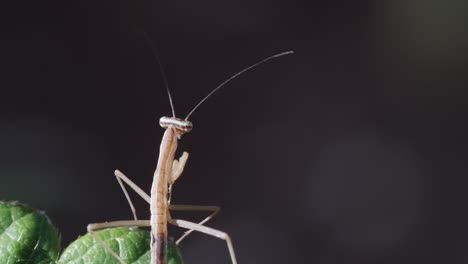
(182, 126)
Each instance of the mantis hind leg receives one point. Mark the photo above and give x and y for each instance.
(177, 169)
(121, 177)
(104, 245)
(209, 231)
(195, 208)
(98, 226)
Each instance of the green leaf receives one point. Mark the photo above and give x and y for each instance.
(130, 244)
(26, 236)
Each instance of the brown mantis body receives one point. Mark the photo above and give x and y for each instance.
(163, 176)
(167, 172)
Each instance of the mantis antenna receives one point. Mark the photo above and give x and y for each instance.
(166, 83)
(234, 76)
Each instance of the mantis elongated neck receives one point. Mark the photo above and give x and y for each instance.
(159, 191)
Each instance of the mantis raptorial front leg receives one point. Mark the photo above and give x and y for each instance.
(177, 169)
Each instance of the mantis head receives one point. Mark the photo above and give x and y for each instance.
(181, 126)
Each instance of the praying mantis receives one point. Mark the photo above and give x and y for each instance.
(168, 170)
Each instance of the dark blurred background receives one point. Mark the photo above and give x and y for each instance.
(352, 150)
